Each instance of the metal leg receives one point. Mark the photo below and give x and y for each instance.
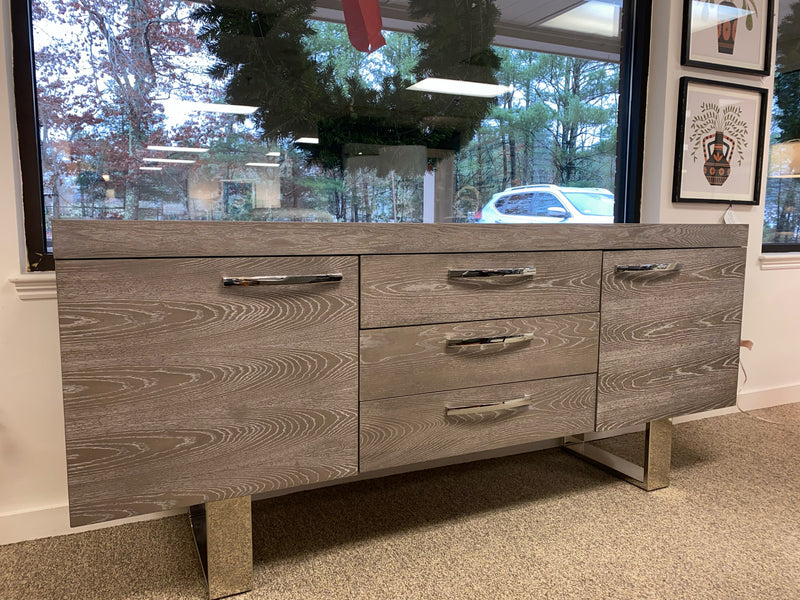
(653, 475)
(224, 537)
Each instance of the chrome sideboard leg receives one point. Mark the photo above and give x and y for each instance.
(224, 536)
(653, 475)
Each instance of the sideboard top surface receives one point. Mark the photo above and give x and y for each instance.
(82, 239)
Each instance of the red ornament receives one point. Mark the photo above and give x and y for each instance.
(363, 19)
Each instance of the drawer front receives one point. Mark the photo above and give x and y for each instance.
(418, 289)
(400, 431)
(669, 340)
(411, 360)
(179, 390)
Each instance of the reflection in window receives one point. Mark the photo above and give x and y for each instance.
(245, 110)
(782, 204)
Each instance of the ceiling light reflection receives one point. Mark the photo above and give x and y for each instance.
(176, 149)
(459, 87)
(176, 161)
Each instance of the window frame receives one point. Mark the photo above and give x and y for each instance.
(634, 62)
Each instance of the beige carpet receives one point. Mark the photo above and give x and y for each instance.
(536, 526)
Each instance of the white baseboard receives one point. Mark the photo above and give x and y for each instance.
(765, 398)
(54, 520)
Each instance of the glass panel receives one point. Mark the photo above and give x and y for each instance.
(296, 110)
(782, 204)
(594, 203)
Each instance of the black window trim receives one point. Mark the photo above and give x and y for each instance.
(771, 248)
(38, 258)
(630, 142)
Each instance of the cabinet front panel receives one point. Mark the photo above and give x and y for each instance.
(400, 431)
(179, 390)
(669, 339)
(419, 289)
(411, 360)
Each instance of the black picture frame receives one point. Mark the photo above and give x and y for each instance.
(717, 118)
(698, 48)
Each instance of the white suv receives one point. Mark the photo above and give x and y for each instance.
(548, 204)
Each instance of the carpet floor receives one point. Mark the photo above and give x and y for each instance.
(535, 526)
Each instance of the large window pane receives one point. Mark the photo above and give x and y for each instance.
(782, 205)
(288, 110)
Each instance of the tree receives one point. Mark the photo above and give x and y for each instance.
(99, 72)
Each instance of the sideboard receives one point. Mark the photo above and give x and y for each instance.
(208, 362)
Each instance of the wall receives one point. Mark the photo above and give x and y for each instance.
(33, 487)
(769, 318)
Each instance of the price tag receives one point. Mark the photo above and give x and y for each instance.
(730, 217)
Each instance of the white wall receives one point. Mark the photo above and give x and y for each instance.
(770, 318)
(33, 487)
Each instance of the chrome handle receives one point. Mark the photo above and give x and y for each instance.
(282, 279)
(505, 340)
(526, 400)
(649, 267)
(467, 273)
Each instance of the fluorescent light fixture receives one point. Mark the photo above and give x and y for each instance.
(176, 149)
(273, 153)
(262, 165)
(176, 161)
(458, 87)
(307, 140)
(150, 168)
(594, 17)
(186, 106)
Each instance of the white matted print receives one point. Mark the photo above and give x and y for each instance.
(728, 35)
(719, 147)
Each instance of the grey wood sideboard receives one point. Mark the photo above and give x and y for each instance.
(336, 351)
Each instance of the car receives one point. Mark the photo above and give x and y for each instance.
(548, 204)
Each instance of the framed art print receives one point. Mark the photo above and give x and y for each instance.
(720, 142)
(728, 35)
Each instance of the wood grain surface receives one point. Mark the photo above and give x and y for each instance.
(143, 239)
(179, 391)
(669, 342)
(412, 429)
(400, 361)
(415, 289)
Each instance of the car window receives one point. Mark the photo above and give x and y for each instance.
(592, 203)
(542, 201)
(516, 204)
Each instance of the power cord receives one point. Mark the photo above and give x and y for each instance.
(748, 344)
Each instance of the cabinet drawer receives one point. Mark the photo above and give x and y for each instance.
(180, 390)
(419, 289)
(411, 360)
(400, 431)
(669, 339)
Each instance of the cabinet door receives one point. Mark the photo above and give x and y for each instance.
(179, 390)
(669, 337)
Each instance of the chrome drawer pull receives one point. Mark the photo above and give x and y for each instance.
(282, 279)
(526, 400)
(518, 338)
(650, 267)
(466, 273)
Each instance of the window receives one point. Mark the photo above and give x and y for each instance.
(517, 204)
(782, 204)
(543, 202)
(295, 110)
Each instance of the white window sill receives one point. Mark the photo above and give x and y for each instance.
(35, 286)
(779, 260)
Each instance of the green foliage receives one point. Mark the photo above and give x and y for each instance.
(302, 81)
